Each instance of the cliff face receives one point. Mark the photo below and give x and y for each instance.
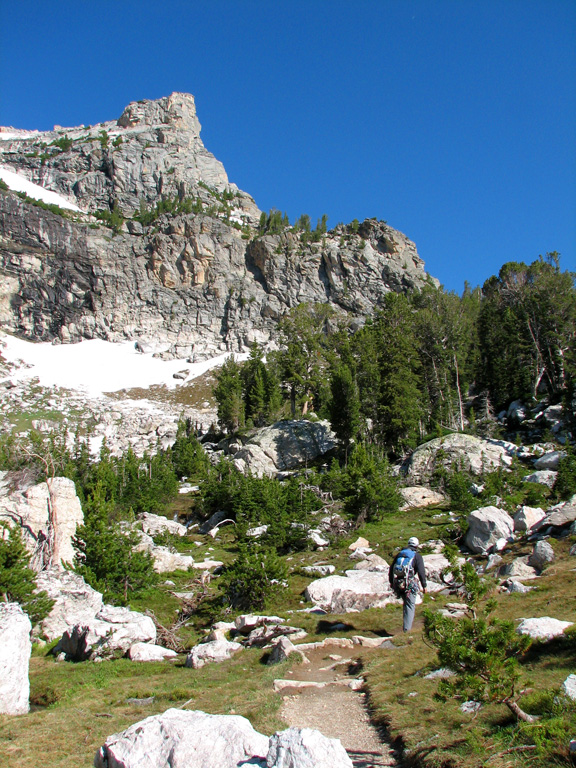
(198, 278)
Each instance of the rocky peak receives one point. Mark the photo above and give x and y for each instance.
(184, 265)
(177, 110)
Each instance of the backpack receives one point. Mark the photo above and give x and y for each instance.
(403, 571)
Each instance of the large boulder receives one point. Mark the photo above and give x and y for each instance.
(518, 568)
(15, 650)
(543, 477)
(549, 460)
(182, 739)
(559, 516)
(150, 652)
(29, 509)
(543, 628)
(284, 446)
(474, 454)
(218, 649)
(306, 748)
(165, 559)
(355, 591)
(419, 497)
(527, 517)
(156, 524)
(75, 602)
(486, 526)
(542, 554)
(113, 630)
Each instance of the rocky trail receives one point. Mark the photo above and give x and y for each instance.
(324, 694)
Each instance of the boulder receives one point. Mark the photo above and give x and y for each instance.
(150, 652)
(512, 585)
(181, 739)
(560, 515)
(317, 539)
(549, 460)
(372, 562)
(542, 554)
(435, 565)
(543, 477)
(419, 497)
(113, 630)
(212, 651)
(306, 748)
(281, 650)
(262, 636)
(165, 559)
(527, 517)
(360, 543)
(15, 650)
(285, 445)
(475, 454)
(569, 687)
(485, 526)
(155, 524)
(75, 601)
(247, 622)
(518, 568)
(544, 628)
(28, 508)
(319, 570)
(354, 592)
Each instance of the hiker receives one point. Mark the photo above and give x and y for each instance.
(403, 576)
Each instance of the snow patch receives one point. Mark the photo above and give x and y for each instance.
(96, 366)
(18, 183)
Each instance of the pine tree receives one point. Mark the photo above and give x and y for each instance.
(228, 394)
(344, 405)
(17, 579)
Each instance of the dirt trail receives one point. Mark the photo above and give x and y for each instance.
(335, 709)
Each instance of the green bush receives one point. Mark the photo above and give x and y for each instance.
(17, 579)
(565, 485)
(255, 579)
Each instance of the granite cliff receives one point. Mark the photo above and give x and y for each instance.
(165, 249)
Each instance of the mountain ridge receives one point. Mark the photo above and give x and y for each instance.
(187, 264)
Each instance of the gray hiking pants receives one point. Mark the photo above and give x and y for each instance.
(409, 600)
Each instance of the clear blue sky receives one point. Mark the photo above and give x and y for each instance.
(454, 120)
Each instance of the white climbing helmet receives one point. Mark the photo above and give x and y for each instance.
(413, 542)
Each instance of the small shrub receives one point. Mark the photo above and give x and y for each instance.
(254, 580)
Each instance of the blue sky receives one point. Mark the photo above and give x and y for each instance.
(453, 120)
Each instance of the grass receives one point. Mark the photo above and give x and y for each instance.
(77, 706)
(438, 735)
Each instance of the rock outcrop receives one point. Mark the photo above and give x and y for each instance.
(197, 279)
(284, 446)
(474, 454)
(486, 526)
(38, 508)
(15, 650)
(183, 739)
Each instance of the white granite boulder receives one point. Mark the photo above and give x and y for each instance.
(544, 628)
(284, 446)
(527, 517)
(542, 554)
(182, 739)
(545, 477)
(28, 508)
(156, 524)
(75, 601)
(518, 568)
(485, 526)
(319, 570)
(549, 460)
(372, 562)
(15, 650)
(475, 454)
(420, 497)
(569, 687)
(213, 651)
(306, 748)
(355, 591)
(150, 652)
(113, 630)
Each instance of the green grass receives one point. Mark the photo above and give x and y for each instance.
(77, 706)
(438, 735)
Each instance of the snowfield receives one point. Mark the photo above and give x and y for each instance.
(18, 183)
(96, 366)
